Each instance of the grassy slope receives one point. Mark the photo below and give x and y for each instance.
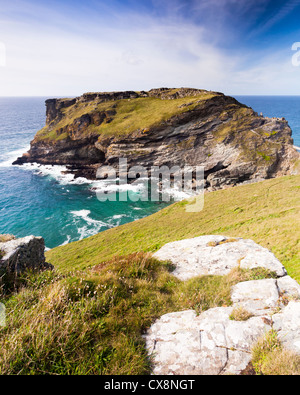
(267, 212)
(91, 322)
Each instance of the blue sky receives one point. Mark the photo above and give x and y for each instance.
(65, 48)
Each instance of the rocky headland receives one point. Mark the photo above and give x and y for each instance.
(172, 127)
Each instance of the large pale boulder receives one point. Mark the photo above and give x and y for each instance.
(214, 343)
(217, 255)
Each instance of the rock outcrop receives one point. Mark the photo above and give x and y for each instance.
(18, 255)
(172, 127)
(213, 342)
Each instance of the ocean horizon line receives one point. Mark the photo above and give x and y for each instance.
(76, 95)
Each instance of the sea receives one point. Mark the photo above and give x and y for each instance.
(45, 201)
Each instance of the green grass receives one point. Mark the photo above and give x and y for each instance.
(267, 212)
(270, 358)
(146, 113)
(264, 156)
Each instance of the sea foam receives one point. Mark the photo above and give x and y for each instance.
(10, 157)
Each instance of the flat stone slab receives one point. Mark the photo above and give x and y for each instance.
(261, 297)
(257, 297)
(210, 344)
(217, 255)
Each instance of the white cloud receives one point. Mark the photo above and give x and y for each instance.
(274, 74)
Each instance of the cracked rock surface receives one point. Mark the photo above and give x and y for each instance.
(182, 343)
(212, 343)
(217, 255)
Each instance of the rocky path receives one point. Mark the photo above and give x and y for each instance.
(213, 342)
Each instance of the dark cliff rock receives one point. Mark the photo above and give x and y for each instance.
(53, 107)
(183, 127)
(19, 255)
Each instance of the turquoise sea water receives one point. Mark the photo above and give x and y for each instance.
(44, 202)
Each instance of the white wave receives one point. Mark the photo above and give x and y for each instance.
(53, 171)
(58, 172)
(81, 180)
(178, 194)
(10, 157)
(92, 226)
(85, 232)
(84, 214)
(112, 186)
(81, 213)
(115, 220)
(141, 189)
(66, 241)
(119, 216)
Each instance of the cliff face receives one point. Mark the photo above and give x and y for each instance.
(165, 127)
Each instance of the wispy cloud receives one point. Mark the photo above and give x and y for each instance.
(276, 17)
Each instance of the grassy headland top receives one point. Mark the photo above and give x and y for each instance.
(119, 113)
